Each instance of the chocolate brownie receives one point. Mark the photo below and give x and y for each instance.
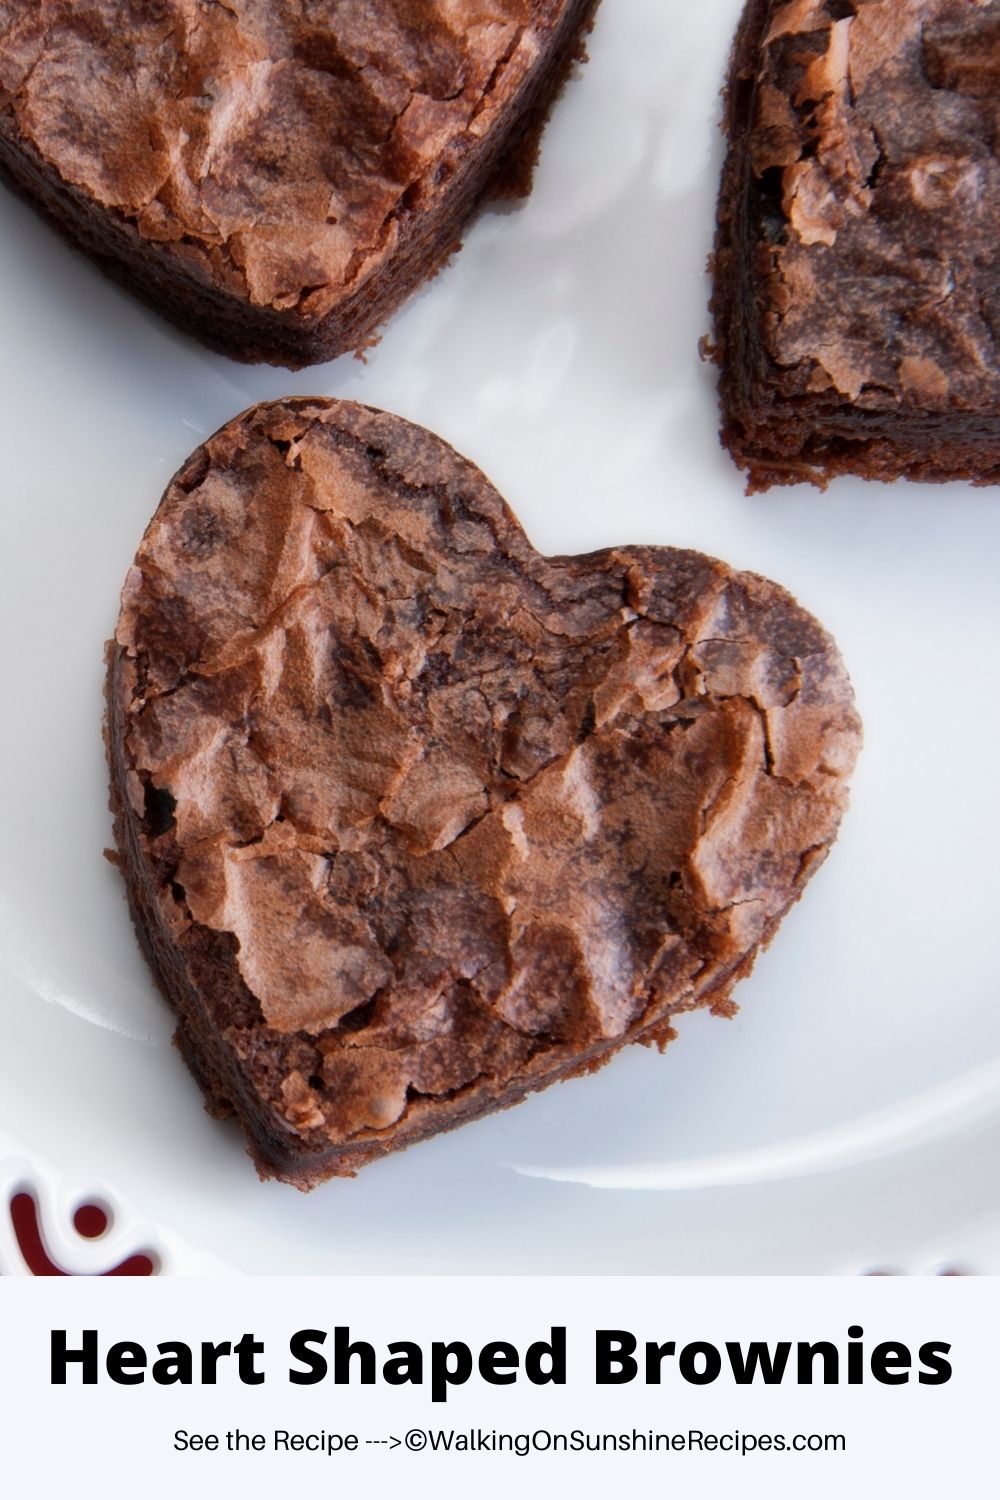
(276, 177)
(414, 820)
(857, 300)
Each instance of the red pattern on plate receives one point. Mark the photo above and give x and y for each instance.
(90, 1221)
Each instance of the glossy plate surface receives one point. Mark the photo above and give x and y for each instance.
(849, 1118)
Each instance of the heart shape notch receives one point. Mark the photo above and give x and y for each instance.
(276, 177)
(415, 820)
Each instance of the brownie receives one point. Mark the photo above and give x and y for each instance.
(276, 178)
(857, 285)
(415, 820)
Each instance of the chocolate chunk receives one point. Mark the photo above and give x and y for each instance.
(276, 178)
(415, 820)
(856, 299)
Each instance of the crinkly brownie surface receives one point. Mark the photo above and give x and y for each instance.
(277, 173)
(415, 820)
(858, 272)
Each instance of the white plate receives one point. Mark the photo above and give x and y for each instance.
(850, 1117)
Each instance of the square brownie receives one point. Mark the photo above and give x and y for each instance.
(857, 282)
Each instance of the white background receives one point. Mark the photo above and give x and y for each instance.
(849, 1117)
(915, 1440)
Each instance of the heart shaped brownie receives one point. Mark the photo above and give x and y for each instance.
(415, 820)
(276, 177)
